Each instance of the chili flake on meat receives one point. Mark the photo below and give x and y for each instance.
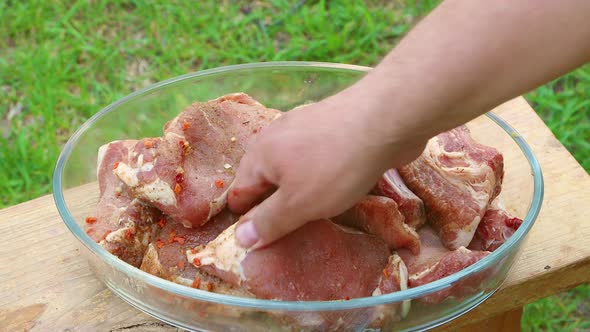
(196, 282)
(219, 183)
(197, 261)
(162, 222)
(90, 220)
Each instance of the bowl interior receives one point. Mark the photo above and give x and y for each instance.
(282, 86)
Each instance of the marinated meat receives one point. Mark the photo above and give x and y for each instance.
(411, 206)
(436, 262)
(319, 261)
(380, 216)
(394, 279)
(123, 225)
(195, 160)
(495, 228)
(457, 178)
(431, 251)
(452, 262)
(166, 255)
(162, 207)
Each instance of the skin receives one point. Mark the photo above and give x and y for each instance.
(461, 61)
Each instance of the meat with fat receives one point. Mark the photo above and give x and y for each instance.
(319, 261)
(166, 255)
(457, 178)
(380, 216)
(195, 160)
(495, 228)
(436, 262)
(411, 206)
(123, 225)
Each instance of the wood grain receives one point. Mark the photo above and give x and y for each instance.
(46, 284)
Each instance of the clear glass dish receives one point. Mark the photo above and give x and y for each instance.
(280, 85)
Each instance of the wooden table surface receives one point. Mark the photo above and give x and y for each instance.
(46, 285)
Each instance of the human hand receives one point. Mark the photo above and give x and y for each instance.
(315, 162)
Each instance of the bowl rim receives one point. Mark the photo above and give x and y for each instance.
(333, 305)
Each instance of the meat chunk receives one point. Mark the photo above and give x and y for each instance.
(495, 228)
(394, 278)
(380, 216)
(411, 206)
(123, 225)
(456, 178)
(319, 261)
(431, 251)
(436, 262)
(166, 255)
(195, 160)
(450, 263)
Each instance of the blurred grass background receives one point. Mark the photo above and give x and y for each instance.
(62, 61)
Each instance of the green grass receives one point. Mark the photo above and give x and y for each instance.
(61, 61)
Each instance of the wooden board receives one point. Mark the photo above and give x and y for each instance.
(46, 285)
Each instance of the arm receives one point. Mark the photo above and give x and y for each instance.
(467, 57)
(459, 62)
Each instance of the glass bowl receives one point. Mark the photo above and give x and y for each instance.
(280, 85)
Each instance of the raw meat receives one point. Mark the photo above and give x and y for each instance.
(123, 225)
(162, 207)
(380, 216)
(456, 178)
(319, 261)
(495, 228)
(450, 263)
(394, 279)
(195, 160)
(166, 255)
(431, 251)
(436, 262)
(411, 206)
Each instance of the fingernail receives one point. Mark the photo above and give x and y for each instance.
(246, 234)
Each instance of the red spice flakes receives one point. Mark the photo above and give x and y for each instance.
(385, 273)
(115, 165)
(160, 244)
(196, 282)
(193, 251)
(179, 239)
(234, 193)
(129, 234)
(90, 231)
(210, 286)
(117, 193)
(171, 236)
(185, 125)
(90, 220)
(180, 265)
(197, 262)
(219, 183)
(162, 222)
(148, 144)
(177, 188)
(185, 147)
(179, 178)
(347, 298)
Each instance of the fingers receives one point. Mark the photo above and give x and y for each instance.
(269, 221)
(248, 189)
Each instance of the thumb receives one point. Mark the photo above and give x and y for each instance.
(268, 222)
